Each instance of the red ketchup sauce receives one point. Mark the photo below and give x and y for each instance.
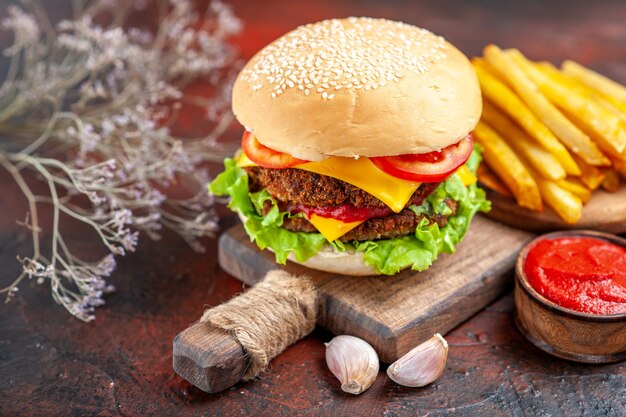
(347, 213)
(580, 273)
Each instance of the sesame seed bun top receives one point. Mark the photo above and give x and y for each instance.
(358, 87)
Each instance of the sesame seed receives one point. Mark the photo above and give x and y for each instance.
(340, 54)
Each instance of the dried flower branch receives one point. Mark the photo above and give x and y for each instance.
(88, 108)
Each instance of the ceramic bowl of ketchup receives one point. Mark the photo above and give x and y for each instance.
(570, 295)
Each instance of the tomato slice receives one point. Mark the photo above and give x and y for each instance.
(428, 167)
(264, 156)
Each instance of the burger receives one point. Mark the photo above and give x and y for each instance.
(357, 156)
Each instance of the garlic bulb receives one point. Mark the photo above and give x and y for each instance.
(421, 365)
(353, 361)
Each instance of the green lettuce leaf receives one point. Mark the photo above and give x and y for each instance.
(417, 251)
(420, 250)
(266, 230)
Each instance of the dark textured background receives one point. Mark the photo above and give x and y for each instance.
(52, 364)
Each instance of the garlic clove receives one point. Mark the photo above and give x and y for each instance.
(421, 365)
(353, 361)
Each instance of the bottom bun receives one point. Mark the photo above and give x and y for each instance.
(344, 263)
(329, 260)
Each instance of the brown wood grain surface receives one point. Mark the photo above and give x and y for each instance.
(120, 364)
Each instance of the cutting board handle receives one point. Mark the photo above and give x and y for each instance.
(238, 339)
(209, 357)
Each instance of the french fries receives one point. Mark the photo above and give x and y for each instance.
(550, 136)
(591, 176)
(613, 106)
(490, 180)
(611, 181)
(620, 166)
(540, 159)
(575, 139)
(564, 203)
(576, 187)
(501, 95)
(604, 126)
(595, 80)
(608, 102)
(502, 159)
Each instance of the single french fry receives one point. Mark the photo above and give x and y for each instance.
(485, 65)
(540, 159)
(611, 181)
(509, 168)
(564, 203)
(489, 179)
(529, 85)
(605, 127)
(595, 80)
(502, 96)
(576, 187)
(591, 176)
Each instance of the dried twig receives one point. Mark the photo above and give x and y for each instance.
(87, 108)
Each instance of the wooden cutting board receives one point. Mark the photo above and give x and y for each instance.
(396, 313)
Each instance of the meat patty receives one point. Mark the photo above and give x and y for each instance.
(387, 227)
(289, 186)
(304, 187)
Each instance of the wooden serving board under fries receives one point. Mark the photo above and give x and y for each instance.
(605, 212)
(395, 313)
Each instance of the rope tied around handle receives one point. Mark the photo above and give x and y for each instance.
(267, 318)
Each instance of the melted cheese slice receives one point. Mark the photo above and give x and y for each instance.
(362, 173)
(243, 161)
(330, 228)
(466, 175)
